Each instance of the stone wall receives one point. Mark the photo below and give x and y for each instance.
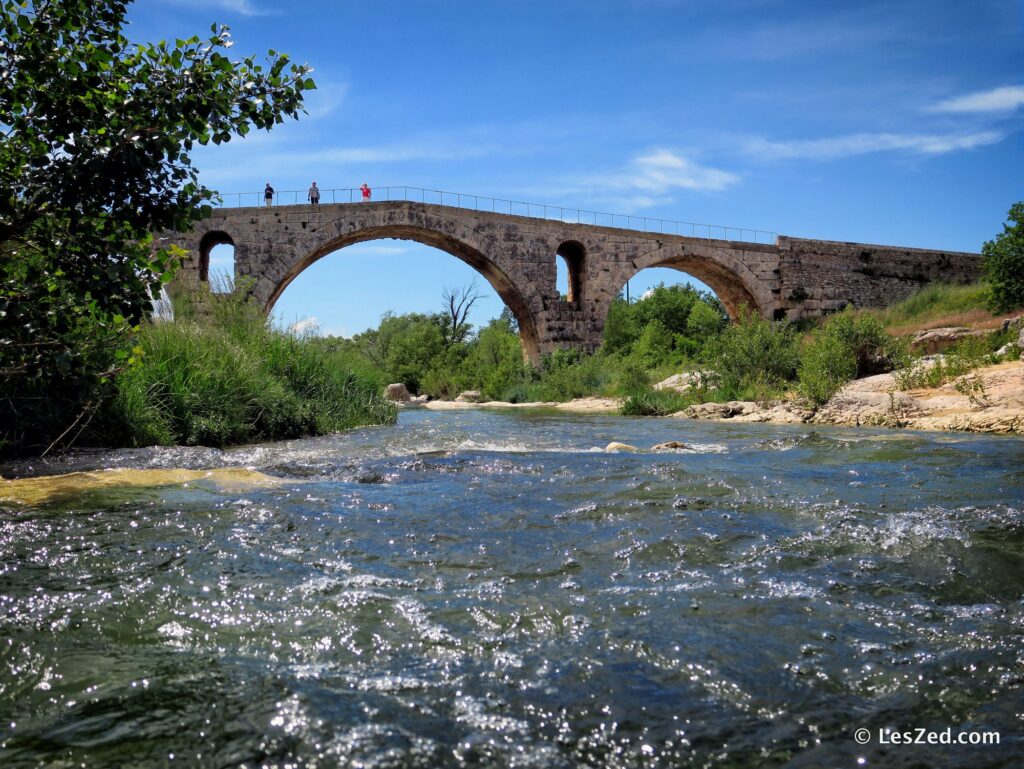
(822, 276)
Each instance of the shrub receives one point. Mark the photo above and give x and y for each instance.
(965, 356)
(704, 322)
(654, 403)
(848, 346)
(754, 352)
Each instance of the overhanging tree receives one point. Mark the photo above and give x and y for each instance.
(95, 140)
(1003, 257)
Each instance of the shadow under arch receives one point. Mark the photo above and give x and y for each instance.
(498, 280)
(730, 286)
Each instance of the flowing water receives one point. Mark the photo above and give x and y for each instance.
(483, 589)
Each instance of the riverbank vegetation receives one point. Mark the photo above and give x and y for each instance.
(90, 166)
(676, 330)
(220, 374)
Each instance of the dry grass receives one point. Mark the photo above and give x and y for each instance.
(937, 306)
(982, 320)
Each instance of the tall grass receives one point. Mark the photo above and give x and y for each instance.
(933, 303)
(220, 375)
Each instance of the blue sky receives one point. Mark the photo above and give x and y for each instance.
(889, 122)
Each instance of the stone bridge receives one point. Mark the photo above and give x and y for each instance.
(792, 278)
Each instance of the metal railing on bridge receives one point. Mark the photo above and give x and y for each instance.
(515, 207)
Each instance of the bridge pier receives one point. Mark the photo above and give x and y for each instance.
(793, 278)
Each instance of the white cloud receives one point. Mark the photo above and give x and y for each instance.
(1001, 99)
(866, 143)
(375, 250)
(661, 171)
(305, 327)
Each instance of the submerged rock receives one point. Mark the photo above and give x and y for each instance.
(47, 488)
(669, 446)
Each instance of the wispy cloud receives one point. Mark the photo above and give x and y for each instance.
(661, 171)
(1002, 99)
(241, 7)
(365, 249)
(305, 327)
(867, 143)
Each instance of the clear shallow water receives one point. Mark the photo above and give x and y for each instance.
(481, 589)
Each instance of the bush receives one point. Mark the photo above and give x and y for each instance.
(848, 346)
(755, 354)
(965, 356)
(1004, 263)
(654, 403)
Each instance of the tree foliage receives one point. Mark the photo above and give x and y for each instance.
(95, 151)
(1004, 263)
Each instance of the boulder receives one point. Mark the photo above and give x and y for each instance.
(616, 446)
(778, 412)
(681, 383)
(935, 340)
(1012, 323)
(469, 396)
(669, 446)
(715, 410)
(397, 392)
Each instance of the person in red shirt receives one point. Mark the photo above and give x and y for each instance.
(366, 192)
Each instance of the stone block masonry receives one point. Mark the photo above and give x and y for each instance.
(793, 278)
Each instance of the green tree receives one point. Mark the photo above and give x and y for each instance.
(621, 329)
(669, 305)
(1003, 258)
(705, 321)
(94, 157)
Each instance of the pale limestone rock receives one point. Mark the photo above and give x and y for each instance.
(620, 447)
(683, 382)
(469, 396)
(397, 392)
(935, 340)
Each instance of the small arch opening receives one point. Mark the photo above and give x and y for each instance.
(217, 259)
(569, 270)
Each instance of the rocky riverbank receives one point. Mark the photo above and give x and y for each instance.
(994, 403)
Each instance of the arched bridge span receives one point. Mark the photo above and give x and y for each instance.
(791, 278)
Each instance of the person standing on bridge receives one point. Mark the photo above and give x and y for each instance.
(313, 195)
(268, 195)
(366, 192)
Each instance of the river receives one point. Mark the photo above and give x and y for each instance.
(492, 589)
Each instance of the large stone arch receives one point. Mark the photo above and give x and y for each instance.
(719, 268)
(274, 246)
(499, 281)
